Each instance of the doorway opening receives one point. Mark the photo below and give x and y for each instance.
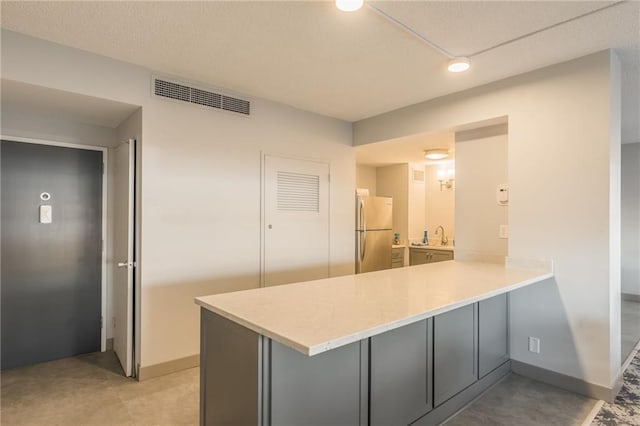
(41, 116)
(630, 251)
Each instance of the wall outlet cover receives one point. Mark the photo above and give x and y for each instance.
(504, 231)
(534, 345)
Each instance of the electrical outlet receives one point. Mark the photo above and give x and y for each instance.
(534, 345)
(504, 231)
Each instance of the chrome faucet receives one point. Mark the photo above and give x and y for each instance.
(443, 238)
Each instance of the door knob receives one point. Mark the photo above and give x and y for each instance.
(126, 265)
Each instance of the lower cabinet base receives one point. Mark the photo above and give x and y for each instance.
(248, 379)
(464, 398)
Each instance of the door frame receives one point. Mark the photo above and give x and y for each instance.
(263, 187)
(105, 236)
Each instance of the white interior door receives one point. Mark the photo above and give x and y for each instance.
(296, 220)
(123, 254)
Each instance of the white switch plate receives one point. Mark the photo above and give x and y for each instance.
(45, 214)
(504, 231)
(534, 345)
(502, 195)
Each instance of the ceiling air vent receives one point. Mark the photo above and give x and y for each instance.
(418, 175)
(172, 90)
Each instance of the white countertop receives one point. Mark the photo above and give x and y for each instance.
(317, 316)
(443, 248)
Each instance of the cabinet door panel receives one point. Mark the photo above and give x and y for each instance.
(323, 389)
(493, 333)
(418, 257)
(401, 374)
(440, 255)
(455, 356)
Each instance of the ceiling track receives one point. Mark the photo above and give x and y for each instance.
(450, 55)
(410, 30)
(532, 33)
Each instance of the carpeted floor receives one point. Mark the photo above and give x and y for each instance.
(625, 410)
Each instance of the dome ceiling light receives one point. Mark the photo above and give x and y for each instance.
(436, 154)
(460, 64)
(349, 5)
(456, 63)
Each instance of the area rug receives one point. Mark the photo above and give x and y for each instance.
(625, 410)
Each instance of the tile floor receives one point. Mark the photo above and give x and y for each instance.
(91, 390)
(520, 401)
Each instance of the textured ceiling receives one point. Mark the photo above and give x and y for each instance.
(408, 149)
(84, 109)
(350, 66)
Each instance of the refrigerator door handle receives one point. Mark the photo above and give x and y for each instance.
(363, 224)
(363, 245)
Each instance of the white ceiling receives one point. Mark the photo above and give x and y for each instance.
(408, 149)
(346, 65)
(80, 108)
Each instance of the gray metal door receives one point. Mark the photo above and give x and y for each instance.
(51, 272)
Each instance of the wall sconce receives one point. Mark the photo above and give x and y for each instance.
(446, 178)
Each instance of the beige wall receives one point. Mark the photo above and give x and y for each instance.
(416, 208)
(481, 165)
(21, 121)
(200, 193)
(392, 181)
(366, 178)
(439, 205)
(631, 218)
(564, 136)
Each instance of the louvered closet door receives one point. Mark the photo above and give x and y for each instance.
(296, 220)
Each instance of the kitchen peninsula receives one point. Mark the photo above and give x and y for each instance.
(399, 346)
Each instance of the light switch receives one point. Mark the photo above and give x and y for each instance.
(502, 195)
(45, 214)
(504, 231)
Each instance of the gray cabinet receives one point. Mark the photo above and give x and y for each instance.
(420, 256)
(455, 355)
(397, 257)
(401, 374)
(417, 374)
(320, 390)
(493, 342)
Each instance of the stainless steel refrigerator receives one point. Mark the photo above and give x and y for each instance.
(374, 234)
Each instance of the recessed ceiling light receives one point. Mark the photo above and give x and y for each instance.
(349, 5)
(458, 64)
(436, 154)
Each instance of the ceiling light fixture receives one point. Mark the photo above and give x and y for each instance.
(349, 5)
(458, 64)
(436, 154)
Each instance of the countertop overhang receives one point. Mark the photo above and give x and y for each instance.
(428, 247)
(316, 316)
